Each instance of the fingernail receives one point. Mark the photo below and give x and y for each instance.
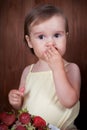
(22, 89)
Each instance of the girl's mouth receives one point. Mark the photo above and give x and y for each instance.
(56, 48)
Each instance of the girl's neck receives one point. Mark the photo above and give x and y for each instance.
(40, 66)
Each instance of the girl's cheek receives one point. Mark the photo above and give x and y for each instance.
(43, 55)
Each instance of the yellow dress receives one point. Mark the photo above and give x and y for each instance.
(40, 99)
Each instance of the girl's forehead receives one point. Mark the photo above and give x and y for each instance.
(53, 22)
(41, 20)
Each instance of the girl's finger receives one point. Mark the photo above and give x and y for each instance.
(22, 89)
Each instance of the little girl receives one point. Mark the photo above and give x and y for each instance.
(49, 88)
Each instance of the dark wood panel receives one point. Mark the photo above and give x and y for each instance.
(14, 55)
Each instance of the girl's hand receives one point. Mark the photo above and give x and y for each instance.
(22, 89)
(53, 57)
(15, 98)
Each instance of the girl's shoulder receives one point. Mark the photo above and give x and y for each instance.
(24, 75)
(73, 70)
(27, 69)
(71, 66)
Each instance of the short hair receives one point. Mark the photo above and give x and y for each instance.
(41, 13)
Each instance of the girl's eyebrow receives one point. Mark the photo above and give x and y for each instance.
(59, 32)
(36, 33)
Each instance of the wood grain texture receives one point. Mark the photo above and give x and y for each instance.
(14, 55)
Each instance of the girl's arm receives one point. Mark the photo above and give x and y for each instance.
(67, 79)
(16, 96)
(67, 84)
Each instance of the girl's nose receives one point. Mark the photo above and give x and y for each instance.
(50, 42)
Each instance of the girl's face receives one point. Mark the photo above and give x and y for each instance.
(48, 33)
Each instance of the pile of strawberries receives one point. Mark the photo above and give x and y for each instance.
(21, 121)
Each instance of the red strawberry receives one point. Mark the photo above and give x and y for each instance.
(20, 127)
(3, 127)
(8, 118)
(24, 118)
(39, 122)
(40, 128)
(2, 115)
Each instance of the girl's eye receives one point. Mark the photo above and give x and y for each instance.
(57, 35)
(41, 36)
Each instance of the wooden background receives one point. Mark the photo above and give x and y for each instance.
(14, 55)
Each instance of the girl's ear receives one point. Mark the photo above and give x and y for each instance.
(67, 33)
(28, 41)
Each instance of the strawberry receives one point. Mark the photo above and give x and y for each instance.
(24, 118)
(8, 118)
(39, 122)
(0, 116)
(20, 127)
(3, 127)
(40, 128)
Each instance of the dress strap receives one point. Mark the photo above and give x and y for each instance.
(66, 64)
(31, 66)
